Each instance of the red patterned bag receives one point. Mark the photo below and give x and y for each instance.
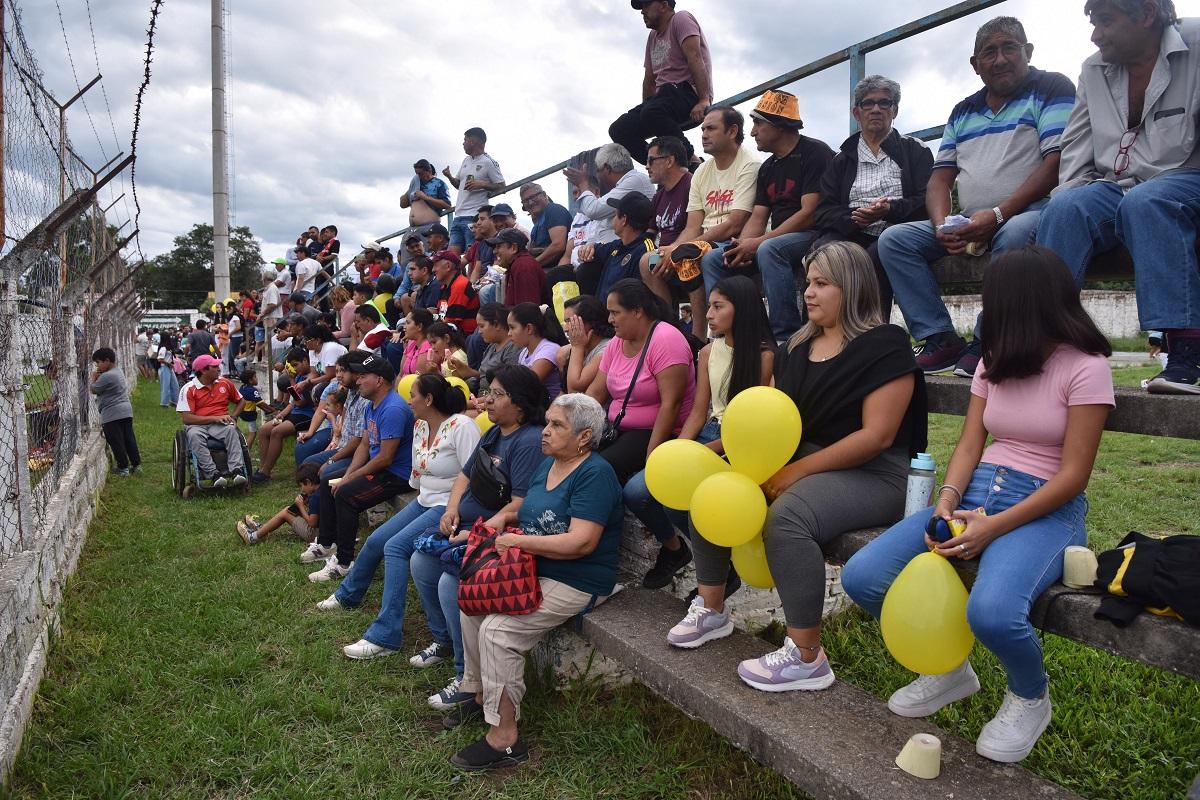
(491, 583)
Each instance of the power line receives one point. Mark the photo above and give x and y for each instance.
(71, 59)
(96, 54)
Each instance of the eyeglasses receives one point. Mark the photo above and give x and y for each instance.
(652, 159)
(1009, 50)
(1121, 164)
(528, 201)
(869, 103)
(494, 394)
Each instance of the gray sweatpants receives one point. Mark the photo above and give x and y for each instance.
(197, 439)
(810, 514)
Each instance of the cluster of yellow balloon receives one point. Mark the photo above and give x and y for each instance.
(404, 387)
(760, 431)
(924, 619)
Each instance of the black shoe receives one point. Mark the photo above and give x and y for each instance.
(969, 361)
(1182, 373)
(462, 714)
(733, 582)
(666, 565)
(941, 352)
(482, 756)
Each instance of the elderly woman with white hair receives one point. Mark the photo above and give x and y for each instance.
(571, 520)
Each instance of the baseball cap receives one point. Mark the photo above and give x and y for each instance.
(204, 362)
(376, 246)
(502, 210)
(300, 296)
(635, 207)
(509, 236)
(447, 255)
(412, 237)
(374, 365)
(640, 4)
(281, 262)
(438, 227)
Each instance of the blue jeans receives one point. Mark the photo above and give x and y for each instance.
(395, 544)
(1014, 570)
(313, 444)
(334, 469)
(661, 521)
(776, 259)
(438, 591)
(1155, 220)
(489, 293)
(231, 354)
(407, 522)
(909, 249)
(168, 386)
(320, 459)
(461, 234)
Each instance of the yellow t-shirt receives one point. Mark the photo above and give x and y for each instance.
(719, 192)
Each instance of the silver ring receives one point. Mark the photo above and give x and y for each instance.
(962, 548)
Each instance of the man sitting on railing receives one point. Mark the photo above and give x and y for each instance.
(1001, 149)
(477, 179)
(617, 178)
(204, 406)
(1131, 171)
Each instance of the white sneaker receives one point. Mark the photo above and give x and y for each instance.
(330, 571)
(928, 693)
(1012, 733)
(315, 552)
(330, 603)
(435, 653)
(363, 650)
(700, 625)
(451, 697)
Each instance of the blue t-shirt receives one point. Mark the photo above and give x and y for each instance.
(313, 501)
(555, 216)
(391, 419)
(516, 455)
(252, 397)
(592, 493)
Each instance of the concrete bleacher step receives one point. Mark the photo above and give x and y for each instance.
(837, 743)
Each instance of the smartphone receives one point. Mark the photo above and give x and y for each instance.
(654, 259)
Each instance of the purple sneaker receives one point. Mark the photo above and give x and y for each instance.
(699, 626)
(941, 352)
(783, 671)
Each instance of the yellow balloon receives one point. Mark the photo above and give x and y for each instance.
(454, 380)
(760, 432)
(677, 467)
(484, 422)
(728, 509)
(924, 620)
(405, 384)
(750, 561)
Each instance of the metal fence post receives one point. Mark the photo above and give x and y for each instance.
(16, 514)
(858, 71)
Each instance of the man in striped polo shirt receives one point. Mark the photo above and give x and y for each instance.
(1001, 149)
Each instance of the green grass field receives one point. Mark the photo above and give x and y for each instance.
(189, 665)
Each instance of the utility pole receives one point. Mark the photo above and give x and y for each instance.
(220, 156)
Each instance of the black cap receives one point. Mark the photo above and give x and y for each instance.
(438, 227)
(502, 210)
(510, 236)
(635, 207)
(374, 365)
(638, 5)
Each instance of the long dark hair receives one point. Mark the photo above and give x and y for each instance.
(1030, 304)
(633, 294)
(440, 329)
(526, 391)
(592, 311)
(541, 318)
(751, 332)
(494, 314)
(447, 399)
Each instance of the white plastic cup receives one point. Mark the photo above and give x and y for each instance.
(921, 756)
(1079, 567)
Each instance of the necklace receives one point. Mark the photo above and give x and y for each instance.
(841, 346)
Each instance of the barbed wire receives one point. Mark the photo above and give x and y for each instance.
(87, 4)
(155, 5)
(75, 74)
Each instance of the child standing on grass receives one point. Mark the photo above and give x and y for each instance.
(116, 412)
(249, 392)
(302, 514)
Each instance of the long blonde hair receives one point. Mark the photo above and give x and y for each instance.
(848, 267)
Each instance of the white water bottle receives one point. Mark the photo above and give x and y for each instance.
(922, 475)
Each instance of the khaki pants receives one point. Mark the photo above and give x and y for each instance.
(494, 646)
(303, 530)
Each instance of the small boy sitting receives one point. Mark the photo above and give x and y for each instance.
(301, 514)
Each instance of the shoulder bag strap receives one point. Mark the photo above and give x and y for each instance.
(633, 381)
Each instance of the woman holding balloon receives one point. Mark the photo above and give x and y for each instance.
(735, 314)
(857, 388)
(1043, 395)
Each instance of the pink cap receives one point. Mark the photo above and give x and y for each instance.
(204, 362)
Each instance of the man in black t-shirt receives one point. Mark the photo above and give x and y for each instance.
(788, 192)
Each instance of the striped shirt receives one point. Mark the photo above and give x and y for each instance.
(996, 152)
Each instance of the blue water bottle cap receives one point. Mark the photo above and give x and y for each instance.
(924, 461)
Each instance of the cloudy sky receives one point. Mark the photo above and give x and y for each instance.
(330, 109)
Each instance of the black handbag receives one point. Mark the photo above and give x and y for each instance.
(613, 429)
(489, 485)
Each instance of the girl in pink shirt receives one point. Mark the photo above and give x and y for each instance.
(1043, 395)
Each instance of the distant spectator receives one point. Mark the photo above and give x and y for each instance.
(425, 290)
(677, 87)
(344, 307)
(437, 238)
(416, 342)
(237, 337)
(525, 280)
(372, 333)
(427, 198)
(667, 167)
(307, 268)
(583, 228)
(1135, 161)
(787, 191)
(1000, 151)
(116, 412)
(479, 262)
(617, 178)
(503, 218)
(588, 333)
(548, 238)
(324, 351)
(458, 302)
(204, 408)
(201, 341)
(385, 288)
(447, 354)
(295, 416)
(414, 245)
(878, 179)
(501, 350)
(272, 305)
(605, 264)
(477, 179)
(301, 305)
(537, 334)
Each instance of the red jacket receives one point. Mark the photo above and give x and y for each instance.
(525, 281)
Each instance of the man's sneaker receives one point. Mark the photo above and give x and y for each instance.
(249, 533)
(237, 479)
(220, 482)
(1012, 733)
(315, 552)
(435, 653)
(124, 472)
(330, 603)
(331, 571)
(941, 352)
(482, 756)
(362, 650)
(783, 671)
(1182, 373)
(260, 477)
(666, 565)
(968, 362)
(451, 697)
(463, 713)
(699, 626)
(928, 693)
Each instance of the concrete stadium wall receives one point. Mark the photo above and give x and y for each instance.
(1115, 313)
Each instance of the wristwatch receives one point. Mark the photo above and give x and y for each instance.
(999, 216)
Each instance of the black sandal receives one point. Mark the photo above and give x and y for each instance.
(482, 756)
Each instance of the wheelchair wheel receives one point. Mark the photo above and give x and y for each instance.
(247, 464)
(179, 463)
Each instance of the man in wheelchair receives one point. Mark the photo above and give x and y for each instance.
(204, 406)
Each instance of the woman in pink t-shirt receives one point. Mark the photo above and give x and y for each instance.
(1043, 395)
(659, 400)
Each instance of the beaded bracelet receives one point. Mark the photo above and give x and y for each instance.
(946, 486)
